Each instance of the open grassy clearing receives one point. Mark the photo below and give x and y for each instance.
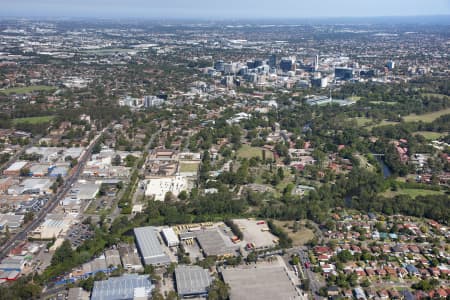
(300, 237)
(431, 135)
(413, 193)
(383, 123)
(247, 151)
(34, 120)
(185, 167)
(363, 162)
(288, 178)
(371, 123)
(27, 89)
(383, 102)
(440, 96)
(354, 98)
(363, 121)
(427, 118)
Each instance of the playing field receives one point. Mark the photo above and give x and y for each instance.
(184, 167)
(430, 135)
(247, 151)
(427, 118)
(440, 96)
(371, 123)
(354, 98)
(34, 120)
(383, 102)
(413, 193)
(27, 89)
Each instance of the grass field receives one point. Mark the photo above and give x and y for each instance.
(383, 123)
(247, 151)
(430, 135)
(363, 121)
(413, 193)
(354, 98)
(427, 118)
(383, 102)
(299, 238)
(184, 167)
(363, 162)
(440, 96)
(34, 120)
(370, 123)
(27, 89)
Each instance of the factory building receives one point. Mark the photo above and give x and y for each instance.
(149, 246)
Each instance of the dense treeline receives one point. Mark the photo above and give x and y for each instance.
(236, 230)
(20, 289)
(284, 241)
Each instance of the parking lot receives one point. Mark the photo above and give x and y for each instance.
(79, 233)
(256, 233)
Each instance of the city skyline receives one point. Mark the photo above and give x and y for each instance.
(250, 9)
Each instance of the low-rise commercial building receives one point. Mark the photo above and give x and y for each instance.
(170, 237)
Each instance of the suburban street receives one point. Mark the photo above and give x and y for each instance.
(314, 283)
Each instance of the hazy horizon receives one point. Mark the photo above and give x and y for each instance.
(231, 9)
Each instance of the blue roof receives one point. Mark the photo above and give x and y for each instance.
(408, 295)
(411, 269)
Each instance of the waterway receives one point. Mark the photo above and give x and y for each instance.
(386, 170)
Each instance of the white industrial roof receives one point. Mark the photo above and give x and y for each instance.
(124, 287)
(170, 235)
(17, 166)
(149, 245)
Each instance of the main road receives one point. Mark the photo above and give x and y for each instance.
(315, 284)
(53, 201)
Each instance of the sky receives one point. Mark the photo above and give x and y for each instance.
(222, 9)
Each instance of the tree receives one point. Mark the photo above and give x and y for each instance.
(252, 257)
(73, 163)
(183, 195)
(344, 256)
(87, 284)
(7, 233)
(305, 284)
(156, 295)
(29, 216)
(24, 172)
(172, 295)
(169, 197)
(63, 253)
(218, 290)
(97, 148)
(116, 160)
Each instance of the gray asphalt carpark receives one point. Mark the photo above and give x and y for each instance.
(260, 283)
(78, 234)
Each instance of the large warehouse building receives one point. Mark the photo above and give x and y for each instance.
(150, 247)
(192, 281)
(126, 287)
